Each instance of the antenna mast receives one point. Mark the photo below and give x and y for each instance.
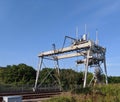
(96, 36)
(85, 29)
(77, 32)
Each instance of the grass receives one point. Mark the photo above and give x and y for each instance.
(62, 99)
(105, 93)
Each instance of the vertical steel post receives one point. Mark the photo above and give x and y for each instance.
(38, 72)
(105, 70)
(58, 73)
(86, 69)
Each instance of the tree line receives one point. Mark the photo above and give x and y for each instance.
(17, 74)
(23, 74)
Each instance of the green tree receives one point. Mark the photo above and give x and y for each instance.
(19, 74)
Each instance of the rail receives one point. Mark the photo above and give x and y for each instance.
(31, 95)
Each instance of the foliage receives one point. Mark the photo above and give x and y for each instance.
(81, 90)
(17, 74)
(103, 93)
(114, 79)
(69, 78)
(23, 74)
(61, 99)
(47, 76)
(1, 75)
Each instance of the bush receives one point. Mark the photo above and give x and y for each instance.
(104, 93)
(62, 99)
(81, 90)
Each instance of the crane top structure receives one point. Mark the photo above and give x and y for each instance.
(92, 55)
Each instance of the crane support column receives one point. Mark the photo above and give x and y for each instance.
(86, 69)
(38, 72)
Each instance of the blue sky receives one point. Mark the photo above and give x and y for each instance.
(28, 27)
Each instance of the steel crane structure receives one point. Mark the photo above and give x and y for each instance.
(93, 55)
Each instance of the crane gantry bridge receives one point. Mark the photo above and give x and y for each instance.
(92, 55)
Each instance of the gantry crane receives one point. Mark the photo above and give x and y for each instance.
(93, 55)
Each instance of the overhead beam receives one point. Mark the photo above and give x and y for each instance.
(71, 55)
(67, 49)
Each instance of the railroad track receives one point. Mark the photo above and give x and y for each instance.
(31, 95)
